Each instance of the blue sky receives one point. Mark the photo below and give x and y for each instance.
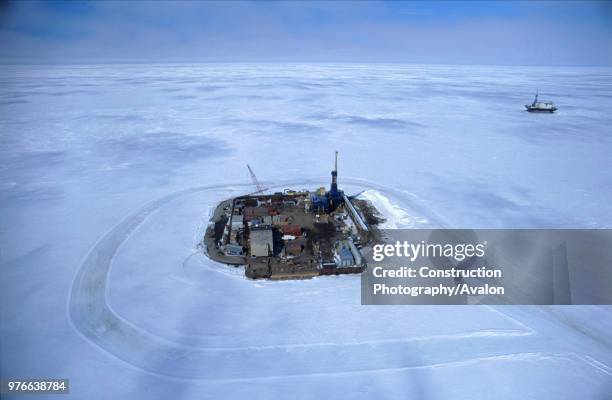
(478, 32)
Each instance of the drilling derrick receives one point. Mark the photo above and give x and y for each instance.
(334, 184)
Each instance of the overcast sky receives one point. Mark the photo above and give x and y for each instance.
(479, 32)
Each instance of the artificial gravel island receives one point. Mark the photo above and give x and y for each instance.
(293, 234)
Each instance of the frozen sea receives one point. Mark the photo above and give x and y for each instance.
(108, 174)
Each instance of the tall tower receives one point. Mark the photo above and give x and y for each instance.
(334, 184)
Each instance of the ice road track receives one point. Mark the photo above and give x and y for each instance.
(93, 317)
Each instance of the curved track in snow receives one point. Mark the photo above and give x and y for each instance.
(92, 316)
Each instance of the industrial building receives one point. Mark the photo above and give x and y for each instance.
(261, 243)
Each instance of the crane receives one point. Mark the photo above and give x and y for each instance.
(258, 185)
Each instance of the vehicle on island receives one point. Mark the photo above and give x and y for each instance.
(540, 106)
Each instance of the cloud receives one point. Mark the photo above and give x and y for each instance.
(416, 32)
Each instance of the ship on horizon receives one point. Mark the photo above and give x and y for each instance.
(540, 106)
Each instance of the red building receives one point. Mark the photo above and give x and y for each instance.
(294, 230)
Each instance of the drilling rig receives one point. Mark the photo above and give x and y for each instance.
(335, 197)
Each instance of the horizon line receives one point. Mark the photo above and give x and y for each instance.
(139, 62)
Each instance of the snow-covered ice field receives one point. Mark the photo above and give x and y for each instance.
(108, 174)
